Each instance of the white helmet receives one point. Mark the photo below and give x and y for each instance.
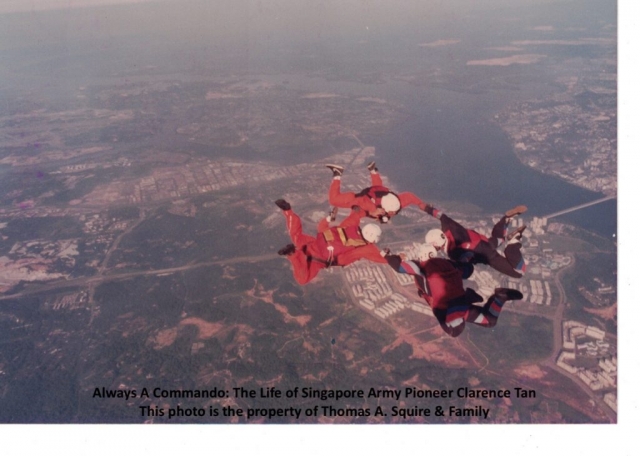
(426, 252)
(390, 203)
(437, 239)
(371, 233)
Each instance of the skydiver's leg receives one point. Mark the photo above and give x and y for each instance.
(514, 257)
(294, 227)
(501, 264)
(452, 319)
(479, 316)
(488, 314)
(338, 199)
(485, 252)
(440, 315)
(304, 270)
(376, 180)
(499, 231)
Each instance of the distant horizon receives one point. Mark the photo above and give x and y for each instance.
(24, 6)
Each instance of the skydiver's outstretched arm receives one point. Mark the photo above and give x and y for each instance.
(323, 225)
(368, 252)
(458, 231)
(403, 266)
(448, 224)
(432, 211)
(408, 199)
(409, 267)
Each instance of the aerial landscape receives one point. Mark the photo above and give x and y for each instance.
(142, 149)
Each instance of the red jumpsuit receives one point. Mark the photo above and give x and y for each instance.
(465, 245)
(369, 198)
(439, 282)
(333, 246)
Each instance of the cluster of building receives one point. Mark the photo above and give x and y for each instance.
(589, 356)
(485, 281)
(45, 260)
(541, 261)
(241, 112)
(26, 269)
(67, 302)
(604, 295)
(545, 262)
(585, 133)
(395, 303)
(538, 225)
(51, 156)
(121, 162)
(63, 250)
(196, 177)
(100, 223)
(37, 260)
(370, 286)
(368, 282)
(540, 294)
(38, 211)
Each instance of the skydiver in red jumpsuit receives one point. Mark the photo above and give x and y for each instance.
(332, 246)
(377, 201)
(468, 246)
(439, 282)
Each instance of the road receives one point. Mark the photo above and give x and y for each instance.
(99, 279)
(580, 206)
(557, 347)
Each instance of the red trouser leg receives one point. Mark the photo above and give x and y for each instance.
(499, 232)
(495, 260)
(514, 257)
(481, 316)
(440, 315)
(376, 180)
(323, 225)
(304, 270)
(294, 227)
(344, 200)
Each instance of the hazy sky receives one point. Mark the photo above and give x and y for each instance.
(11, 6)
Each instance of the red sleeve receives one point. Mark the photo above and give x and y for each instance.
(323, 225)
(407, 199)
(368, 252)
